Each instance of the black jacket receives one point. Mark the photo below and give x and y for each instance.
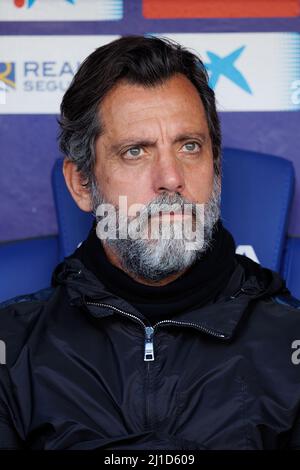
(85, 370)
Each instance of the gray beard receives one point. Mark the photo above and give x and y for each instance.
(155, 260)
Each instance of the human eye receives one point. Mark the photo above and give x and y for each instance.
(133, 153)
(191, 147)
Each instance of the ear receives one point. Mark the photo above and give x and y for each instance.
(74, 182)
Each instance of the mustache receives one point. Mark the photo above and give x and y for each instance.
(163, 204)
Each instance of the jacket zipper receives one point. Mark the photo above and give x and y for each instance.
(148, 345)
(149, 330)
(148, 351)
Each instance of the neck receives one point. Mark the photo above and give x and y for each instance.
(115, 261)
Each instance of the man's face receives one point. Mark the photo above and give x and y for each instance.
(155, 140)
(156, 151)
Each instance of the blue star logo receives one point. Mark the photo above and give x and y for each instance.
(225, 66)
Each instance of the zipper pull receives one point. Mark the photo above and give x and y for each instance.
(149, 351)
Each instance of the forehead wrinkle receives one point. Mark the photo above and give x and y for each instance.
(163, 131)
(171, 120)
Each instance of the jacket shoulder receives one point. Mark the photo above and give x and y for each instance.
(17, 315)
(287, 301)
(41, 296)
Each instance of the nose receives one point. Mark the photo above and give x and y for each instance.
(168, 173)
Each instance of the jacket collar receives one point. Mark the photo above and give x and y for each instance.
(219, 319)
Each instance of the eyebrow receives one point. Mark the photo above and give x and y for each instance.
(149, 143)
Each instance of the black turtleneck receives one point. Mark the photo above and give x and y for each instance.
(199, 285)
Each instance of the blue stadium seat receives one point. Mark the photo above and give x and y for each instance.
(256, 197)
(26, 265)
(73, 223)
(291, 265)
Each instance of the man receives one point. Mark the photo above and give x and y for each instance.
(146, 341)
